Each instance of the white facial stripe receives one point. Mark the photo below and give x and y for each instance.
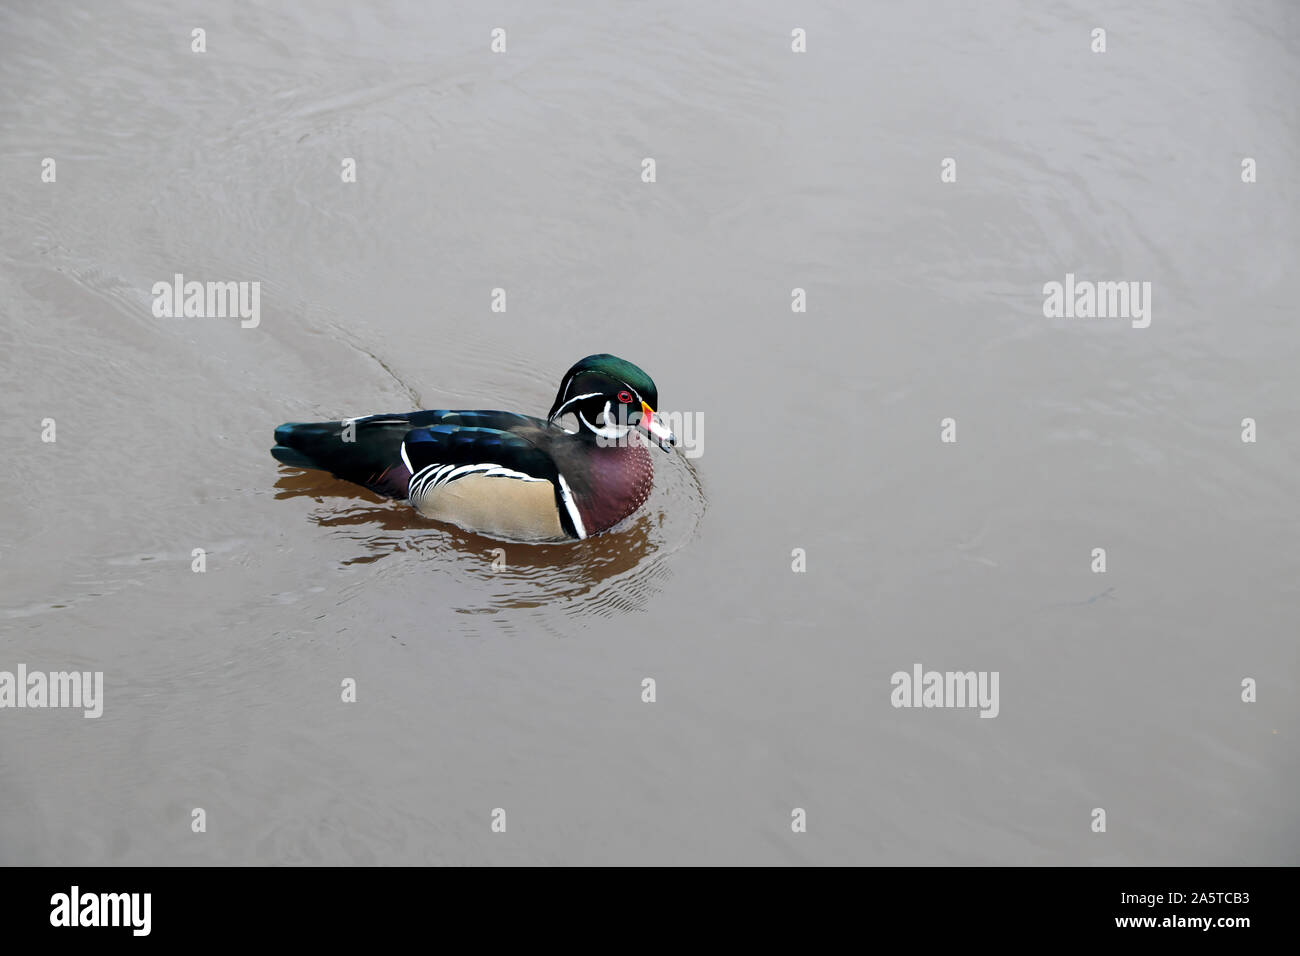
(577, 398)
(619, 431)
(571, 508)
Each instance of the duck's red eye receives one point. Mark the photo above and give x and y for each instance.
(625, 398)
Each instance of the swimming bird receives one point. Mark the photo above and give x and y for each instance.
(505, 474)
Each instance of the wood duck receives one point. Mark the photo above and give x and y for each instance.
(502, 473)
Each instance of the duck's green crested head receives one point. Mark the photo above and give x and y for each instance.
(610, 395)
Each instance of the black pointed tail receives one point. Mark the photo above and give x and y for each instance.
(367, 451)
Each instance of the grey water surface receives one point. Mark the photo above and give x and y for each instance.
(521, 689)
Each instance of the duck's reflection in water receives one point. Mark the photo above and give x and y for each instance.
(614, 571)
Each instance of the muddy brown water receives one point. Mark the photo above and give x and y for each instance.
(521, 689)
